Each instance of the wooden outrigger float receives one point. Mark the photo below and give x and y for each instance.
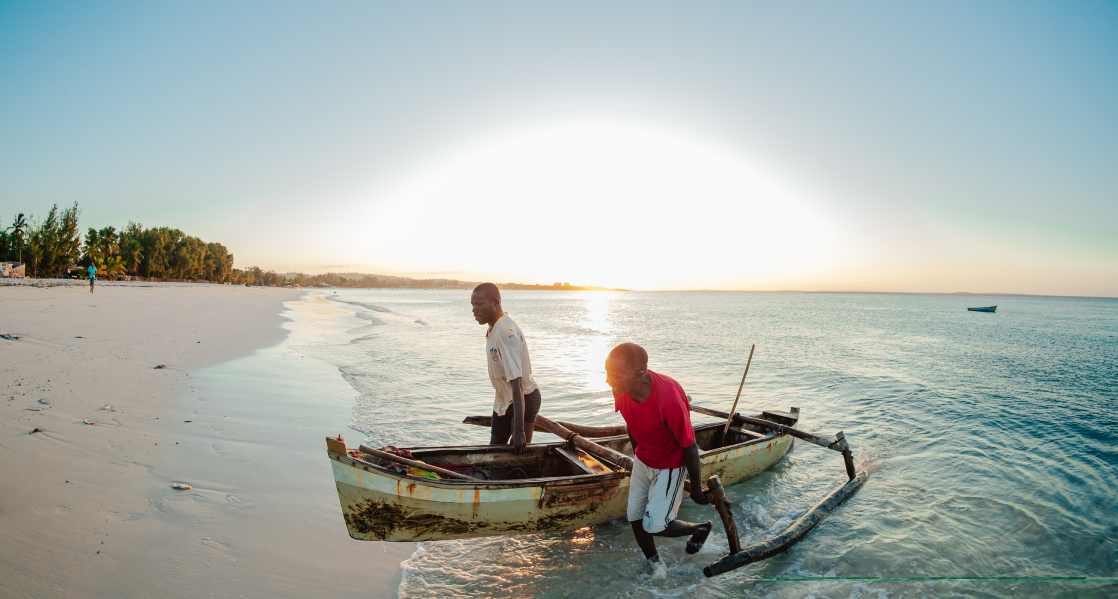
(478, 491)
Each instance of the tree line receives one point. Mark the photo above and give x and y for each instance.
(52, 246)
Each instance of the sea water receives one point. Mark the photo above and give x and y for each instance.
(990, 438)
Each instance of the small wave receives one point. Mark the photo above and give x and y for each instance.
(421, 321)
(373, 307)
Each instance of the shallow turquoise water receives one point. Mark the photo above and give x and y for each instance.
(991, 438)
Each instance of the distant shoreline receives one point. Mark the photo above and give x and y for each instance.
(45, 282)
(957, 293)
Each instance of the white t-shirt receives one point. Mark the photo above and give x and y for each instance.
(507, 356)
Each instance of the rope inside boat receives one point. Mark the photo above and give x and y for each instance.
(520, 470)
(392, 449)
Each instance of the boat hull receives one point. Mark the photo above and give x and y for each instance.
(379, 504)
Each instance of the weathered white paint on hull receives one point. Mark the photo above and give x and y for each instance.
(378, 505)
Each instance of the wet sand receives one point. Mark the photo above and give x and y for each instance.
(89, 511)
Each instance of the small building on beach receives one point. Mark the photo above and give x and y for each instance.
(12, 270)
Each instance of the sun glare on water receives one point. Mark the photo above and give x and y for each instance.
(601, 202)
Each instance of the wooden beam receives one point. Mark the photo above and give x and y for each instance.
(602, 453)
(792, 535)
(416, 464)
(571, 457)
(837, 445)
(580, 429)
(718, 499)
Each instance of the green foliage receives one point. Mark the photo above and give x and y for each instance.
(110, 267)
(52, 245)
(49, 245)
(18, 229)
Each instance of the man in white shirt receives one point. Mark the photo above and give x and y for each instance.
(517, 398)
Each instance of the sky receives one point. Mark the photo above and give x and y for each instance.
(880, 146)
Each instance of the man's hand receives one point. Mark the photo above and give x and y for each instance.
(519, 445)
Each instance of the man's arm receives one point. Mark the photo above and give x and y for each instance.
(695, 472)
(518, 443)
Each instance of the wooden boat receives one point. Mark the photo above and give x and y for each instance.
(551, 487)
(985, 309)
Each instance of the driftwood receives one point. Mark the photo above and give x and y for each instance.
(416, 464)
(579, 429)
(792, 535)
(603, 453)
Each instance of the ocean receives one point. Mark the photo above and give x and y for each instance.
(990, 438)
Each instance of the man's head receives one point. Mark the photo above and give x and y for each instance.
(625, 367)
(486, 302)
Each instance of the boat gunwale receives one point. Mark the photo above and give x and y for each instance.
(526, 482)
(491, 485)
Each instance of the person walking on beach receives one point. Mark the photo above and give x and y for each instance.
(510, 371)
(655, 410)
(92, 275)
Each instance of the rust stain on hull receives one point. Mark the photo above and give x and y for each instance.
(379, 519)
(385, 521)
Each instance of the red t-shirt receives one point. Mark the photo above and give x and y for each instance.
(661, 424)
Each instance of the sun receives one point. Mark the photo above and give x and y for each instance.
(601, 201)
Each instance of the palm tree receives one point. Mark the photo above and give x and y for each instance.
(93, 246)
(18, 225)
(110, 267)
(132, 251)
(109, 239)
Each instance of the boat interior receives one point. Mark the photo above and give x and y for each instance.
(558, 460)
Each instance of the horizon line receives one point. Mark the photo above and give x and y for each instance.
(993, 294)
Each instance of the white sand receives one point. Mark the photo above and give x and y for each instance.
(88, 510)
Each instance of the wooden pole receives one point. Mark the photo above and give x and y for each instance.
(837, 445)
(718, 499)
(792, 535)
(416, 464)
(582, 429)
(729, 418)
(621, 460)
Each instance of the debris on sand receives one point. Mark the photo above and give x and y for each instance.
(88, 421)
(107, 408)
(9, 337)
(182, 486)
(161, 367)
(36, 430)
(44, 402)
(34, 409)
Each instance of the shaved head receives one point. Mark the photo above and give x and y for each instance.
(489, 291)
(631, 355)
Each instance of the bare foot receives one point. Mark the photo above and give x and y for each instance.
(695, 543)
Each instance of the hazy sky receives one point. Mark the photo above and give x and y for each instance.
(948, 146)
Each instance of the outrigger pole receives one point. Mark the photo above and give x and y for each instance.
(739, 556)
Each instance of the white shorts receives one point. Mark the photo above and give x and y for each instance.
(655, 495)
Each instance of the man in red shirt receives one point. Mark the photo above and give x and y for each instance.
(655, 410)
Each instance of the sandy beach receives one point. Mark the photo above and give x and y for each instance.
(88, 510)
